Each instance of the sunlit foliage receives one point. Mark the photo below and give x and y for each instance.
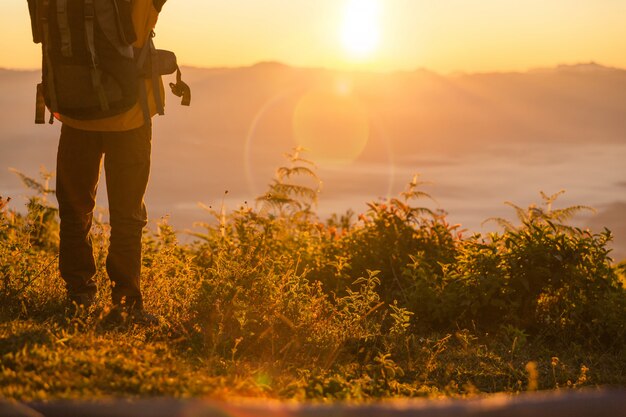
(272, 301)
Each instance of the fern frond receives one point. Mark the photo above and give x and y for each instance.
(411, 191)
(295, 156)
(373, 206)
(400, 204)
(415, 182)
(421, 211)
(296, 190)
(522, 214)
(535, 212)
(286, 172)
(549, 199)
(32, 183)
(503, 223)
(278, 200)
(569, 212)
(409, 195)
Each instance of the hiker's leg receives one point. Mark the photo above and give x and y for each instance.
(78, 168)
(127, 167)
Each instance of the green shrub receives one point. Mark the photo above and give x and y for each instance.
(393, 234)
(271, 301)
(542, 276)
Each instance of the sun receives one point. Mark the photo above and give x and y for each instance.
(360, 33)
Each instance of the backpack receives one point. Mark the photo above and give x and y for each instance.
(90, 69)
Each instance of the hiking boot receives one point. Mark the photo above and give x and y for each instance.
(125, 315)
(114, 317)
(142, 317)
(80, 302)
(127, 302)
(83, 299)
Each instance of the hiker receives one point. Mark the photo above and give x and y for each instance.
(101, 79)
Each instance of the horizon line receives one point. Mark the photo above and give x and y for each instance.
(578, 64)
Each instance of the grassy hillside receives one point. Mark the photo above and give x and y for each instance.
(268, 301)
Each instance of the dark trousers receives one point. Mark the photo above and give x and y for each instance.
(127, 167)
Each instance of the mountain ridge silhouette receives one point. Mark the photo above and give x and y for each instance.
(483, 138)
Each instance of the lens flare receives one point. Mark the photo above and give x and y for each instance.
(332, 125)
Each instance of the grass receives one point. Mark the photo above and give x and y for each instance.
(271, 302)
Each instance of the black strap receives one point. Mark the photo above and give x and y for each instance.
(143, 94)
(141, 59)
(35, 21)
(52, 93)
(40, 106)
(126, 29)
(181, 89)
(64, 28)
(91, 46)
(143, 101)
(156, 77)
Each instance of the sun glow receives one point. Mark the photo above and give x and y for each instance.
(360, 34)
(331, 124)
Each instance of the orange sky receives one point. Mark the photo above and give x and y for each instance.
(442, 35)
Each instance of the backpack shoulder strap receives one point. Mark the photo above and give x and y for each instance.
(64, 28)
(91, 47)
(156, 77)
(143, 94)
(33, 10)
(109, 20)
(49, 68)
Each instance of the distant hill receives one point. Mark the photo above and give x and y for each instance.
(481, 138)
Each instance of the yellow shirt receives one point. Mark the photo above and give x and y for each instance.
(145, 17)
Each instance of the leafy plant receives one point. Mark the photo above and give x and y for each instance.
(542, 213)
(271, 301)
(286, 195)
